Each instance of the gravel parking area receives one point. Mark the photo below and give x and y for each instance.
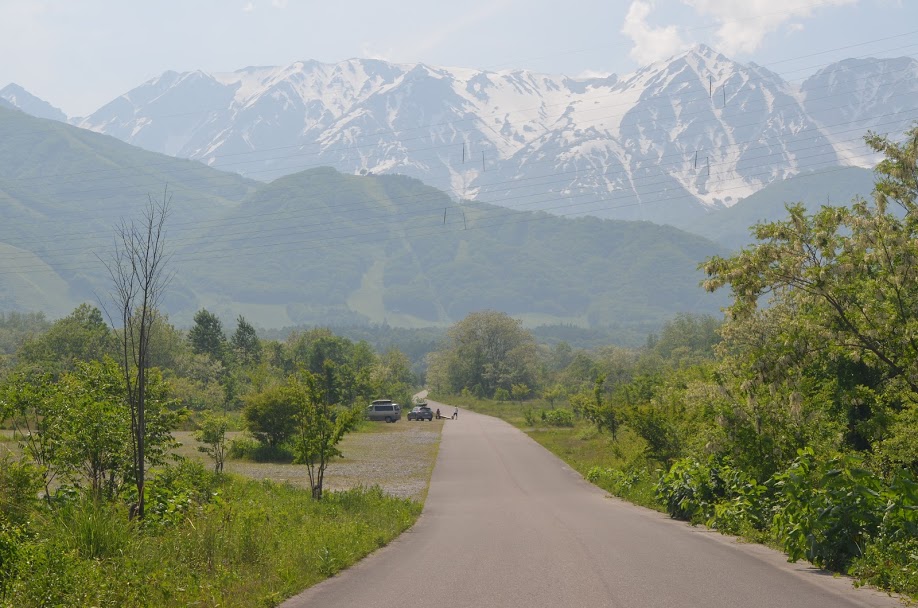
(397, 457)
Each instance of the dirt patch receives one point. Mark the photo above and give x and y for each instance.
(397, 457)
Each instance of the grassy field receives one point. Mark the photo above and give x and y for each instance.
(250, 538)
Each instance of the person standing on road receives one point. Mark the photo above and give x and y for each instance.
(438, 413)
(456, 414)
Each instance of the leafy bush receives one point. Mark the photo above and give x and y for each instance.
(559, 417)
(19, 485)
(827, 512)
(176, 491)
(246, 448)
(501, 394)
(715, 493)
(10, 544)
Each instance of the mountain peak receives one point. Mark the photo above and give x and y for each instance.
(18, 98)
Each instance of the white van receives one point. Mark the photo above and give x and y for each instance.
(384, 409)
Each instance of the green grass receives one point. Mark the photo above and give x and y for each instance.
(256, 544)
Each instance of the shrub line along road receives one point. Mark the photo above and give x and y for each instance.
(508, 524)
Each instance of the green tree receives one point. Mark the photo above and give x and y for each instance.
(487, 350)
(27, 403)
(246, 345)
(320, 425)
(271, 415)
(841, 324)
(212, 433)
(553, 393)
(206, 336)
(600, 411)
(520, 391)
(83, 335)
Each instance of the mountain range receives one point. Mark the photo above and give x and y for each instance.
(667, 143)
(319, 246)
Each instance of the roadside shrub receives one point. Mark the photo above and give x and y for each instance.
(559, 417)
(501, 394)
(687, 492)
(177, 490)
(715, 493)
(827, 512)
(19, 486)
(10, 543)
(529, 416)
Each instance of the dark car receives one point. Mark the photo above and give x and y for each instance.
(422, 412)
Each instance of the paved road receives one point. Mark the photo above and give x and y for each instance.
(507, 524)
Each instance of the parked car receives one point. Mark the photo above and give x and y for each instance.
(384, 409)
(421, 412)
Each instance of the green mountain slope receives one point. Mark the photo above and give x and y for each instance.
(325, 247)
(731, 227)
(62, 189)
(319, 246)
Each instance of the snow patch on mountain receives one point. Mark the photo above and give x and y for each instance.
(668, 142)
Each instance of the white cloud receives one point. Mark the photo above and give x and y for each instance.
(744, 24)
(249, 7)
(279, 3)
(650, 43)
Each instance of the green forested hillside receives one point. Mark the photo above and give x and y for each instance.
(323, 247)
(731, 227)
(320, 247)
(61, 191)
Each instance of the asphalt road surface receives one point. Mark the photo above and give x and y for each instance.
(507, 524)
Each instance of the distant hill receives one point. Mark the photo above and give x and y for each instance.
(731, 227)
(62, 189)
(322, 247)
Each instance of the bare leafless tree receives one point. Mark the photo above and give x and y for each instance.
(137, 268)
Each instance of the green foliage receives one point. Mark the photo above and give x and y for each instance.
(553, 393)
(827, 511)
(320, 426)
(11, 540)
(20, 482)
(520, 391)
(271, 414)
(603, 413)
(247, 448)
(658, 429)
(81, 336)
(501, 394)
(206, 337)
(558, 417)
(78, 429)
(224, 542)
(715, 493)
(245, 343)
(486, 351)
(16, 327)
(212, 433)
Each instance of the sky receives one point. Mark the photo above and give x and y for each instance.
(80, 55)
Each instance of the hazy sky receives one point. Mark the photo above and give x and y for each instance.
(80, 55)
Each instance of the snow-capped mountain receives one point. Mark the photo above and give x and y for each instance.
(666, 143)
(853, 95)
(15, 97)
